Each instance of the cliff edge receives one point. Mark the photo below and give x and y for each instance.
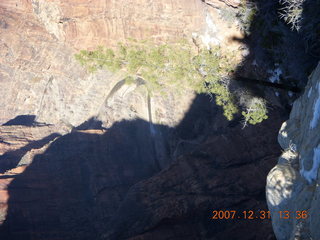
(293, 192)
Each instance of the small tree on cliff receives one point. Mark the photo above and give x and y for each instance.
(176, 66)
(255, 111)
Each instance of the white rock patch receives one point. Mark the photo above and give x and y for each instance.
(309, 92)
(207, 39)
(311, 174)
(316, 111)
(275, 75)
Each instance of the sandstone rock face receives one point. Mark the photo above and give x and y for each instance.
(293, 184)
(106, 22)
(40, 77)
(83, 24)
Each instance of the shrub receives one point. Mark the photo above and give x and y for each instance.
(256, 111)
(247, 15)
(291, 12)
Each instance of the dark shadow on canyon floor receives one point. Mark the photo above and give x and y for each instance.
(91, 123)
(11, 159)
(106, 183)
(22, 120)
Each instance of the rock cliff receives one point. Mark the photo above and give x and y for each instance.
(39, 75)
(293, 184)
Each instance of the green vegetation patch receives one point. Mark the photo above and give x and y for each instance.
(256, 111)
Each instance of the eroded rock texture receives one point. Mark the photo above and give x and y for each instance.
(293, 184)
(39, 75)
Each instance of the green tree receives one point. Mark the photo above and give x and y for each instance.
(255, 112)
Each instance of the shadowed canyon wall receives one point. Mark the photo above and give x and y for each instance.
(106, 184)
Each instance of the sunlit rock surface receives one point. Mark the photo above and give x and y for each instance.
(39, 75)
(84, 24)
(293, 184)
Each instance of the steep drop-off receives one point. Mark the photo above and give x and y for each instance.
(293, 184)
